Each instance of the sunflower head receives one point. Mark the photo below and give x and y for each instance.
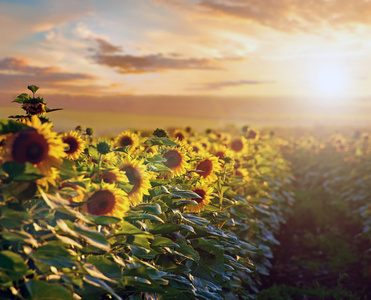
(179, 135)
(114, 175)
(204, 191)
(208, 167)
(138, 178)
(127, 139)
(107, 200)
(75, 144)
(34, 108)
(176, 160)
(39, 146)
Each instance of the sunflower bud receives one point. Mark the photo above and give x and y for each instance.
(89, 131)
(160, 133)
(103, 148)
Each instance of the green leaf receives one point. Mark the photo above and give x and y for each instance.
(129, 229)
(19, 236)
(103, 220)
(134, 217)
(152, 208)
(12, 265)
(178, 193)
(160, 142)
(21, 172)
(40, 290)
(21, 98)
(55, 255)
(92, 237)
(101, 284)
(105, 266)
(33, 88)
(168, 228)
(163, 242)
(68, 168)
(13, 218)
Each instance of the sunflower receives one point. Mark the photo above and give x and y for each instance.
(114, 175)
(204, 191)
(34, 108)
(179, 134)
(238, 145)
(138, 178)
(107, 200)
(77, 195)
(39, 146)
(176, 160)
(221, 151)
(75, 144)
(126, 139)
(208, 167)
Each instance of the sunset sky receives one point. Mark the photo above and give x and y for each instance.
(319, 48)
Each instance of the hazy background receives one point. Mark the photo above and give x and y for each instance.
(204, 63)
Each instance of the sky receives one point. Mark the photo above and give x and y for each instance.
(270, 48)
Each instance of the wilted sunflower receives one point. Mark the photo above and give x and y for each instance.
(39, 146)
(204, 191)
(138, 177)
(176, 160)
(208, 167)
(107, 200)
(126, 139)
(75, 144)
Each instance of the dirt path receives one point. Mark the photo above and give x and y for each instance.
(322, 254)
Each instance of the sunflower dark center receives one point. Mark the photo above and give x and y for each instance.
(220, 154)
(109, 177)
(30, 146)
(201, 193)
(179, 136)
(236, 145)
(205, 167)
(126, 141)
(133, 176)
(173, 159)
(101, 203)
(73, 144)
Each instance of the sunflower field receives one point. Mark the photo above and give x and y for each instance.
(179, 214)
(140, 215)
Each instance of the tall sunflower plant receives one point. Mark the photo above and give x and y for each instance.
(138, 216)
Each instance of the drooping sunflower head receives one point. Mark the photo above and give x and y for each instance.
(75, 143)
(204, 191)
(176, 160)
(126, 139)
(37, 145)
(138, 178)
(114, 175)
(208, 167)
(34, 107)
(107, 200)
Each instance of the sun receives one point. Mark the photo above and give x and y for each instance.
(331, 82)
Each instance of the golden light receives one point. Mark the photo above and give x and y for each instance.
(331, 82)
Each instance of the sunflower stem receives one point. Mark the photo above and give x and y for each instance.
(99, 162)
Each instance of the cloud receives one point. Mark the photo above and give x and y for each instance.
(106, 54)
(288, 15)
(218, 85)
(15, 73)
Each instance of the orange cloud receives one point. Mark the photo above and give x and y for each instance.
(224, 84)
(16, 73)
(126, 63)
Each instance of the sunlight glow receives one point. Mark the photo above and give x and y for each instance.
(331, 82)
